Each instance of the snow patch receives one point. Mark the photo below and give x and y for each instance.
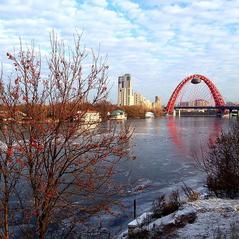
(204, 218)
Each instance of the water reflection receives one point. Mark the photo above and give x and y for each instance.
(163, 148)
(161, 144)
(198, 138)
(175, 134)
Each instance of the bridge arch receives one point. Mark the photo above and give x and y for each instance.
(219, 101)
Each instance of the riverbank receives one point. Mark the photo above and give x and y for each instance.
(203, 218)
(163, 148)
(213, 214)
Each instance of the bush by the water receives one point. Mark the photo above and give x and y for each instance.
(164, 206)
(142, 233)
(138, 111)
(221, 164)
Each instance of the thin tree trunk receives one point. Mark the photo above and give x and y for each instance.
(6, 209)
(42, 228)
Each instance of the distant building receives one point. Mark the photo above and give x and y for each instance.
(158, 99)
(201, 102)
(147, 103)
(157, 103)
(194, 103)
(125, 92)
(138, 98)
(17, 116)
(229, 103)
(183, 104)
(88, 117)
(126, 95)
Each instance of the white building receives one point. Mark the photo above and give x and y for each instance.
(125, 92)
(88, 120)
(139, 99)
(88, 117)
(126, 95)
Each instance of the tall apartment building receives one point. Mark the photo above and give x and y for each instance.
(158, 102)
(125, 91)
(138, 98)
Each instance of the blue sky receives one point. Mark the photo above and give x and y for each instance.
(159, 42)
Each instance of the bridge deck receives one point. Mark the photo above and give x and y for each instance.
(208, 107)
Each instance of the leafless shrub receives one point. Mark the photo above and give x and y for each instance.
(141, 233)
(221, 164)
(164, 206)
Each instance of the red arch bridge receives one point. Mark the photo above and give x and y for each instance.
(177, 99)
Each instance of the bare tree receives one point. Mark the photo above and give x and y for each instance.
(9, 175)
(221, 164)
(65, 162)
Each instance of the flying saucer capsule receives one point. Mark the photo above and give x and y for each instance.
(195, 81)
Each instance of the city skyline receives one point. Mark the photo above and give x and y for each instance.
(158, 42)
(128, 96)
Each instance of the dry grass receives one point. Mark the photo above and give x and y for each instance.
(191, 194)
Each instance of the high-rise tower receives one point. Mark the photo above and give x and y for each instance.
(125, 92)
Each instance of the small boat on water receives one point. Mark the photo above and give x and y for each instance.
(149, 115)
(118, 115)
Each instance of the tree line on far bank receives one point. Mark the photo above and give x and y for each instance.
(103, 107)
(132, 111)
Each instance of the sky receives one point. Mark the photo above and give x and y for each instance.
(159, 42)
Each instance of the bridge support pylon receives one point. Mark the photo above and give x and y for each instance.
(176, 113)
(233, 114)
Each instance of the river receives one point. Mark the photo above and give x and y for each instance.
(164, 149)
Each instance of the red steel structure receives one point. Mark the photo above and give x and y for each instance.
(219, 101)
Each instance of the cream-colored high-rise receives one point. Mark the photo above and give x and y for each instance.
(125, 91)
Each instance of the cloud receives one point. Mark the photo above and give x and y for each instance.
(158, 42)
(212, 4)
